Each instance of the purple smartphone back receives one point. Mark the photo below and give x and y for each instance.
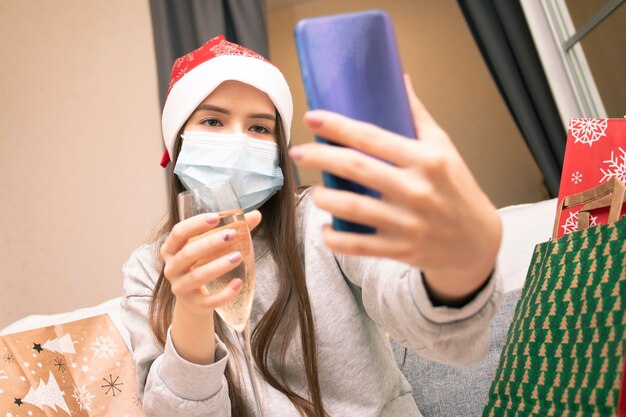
(350, 65)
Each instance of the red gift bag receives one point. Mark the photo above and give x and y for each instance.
(595, 152)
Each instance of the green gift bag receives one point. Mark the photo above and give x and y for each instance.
(564, 354)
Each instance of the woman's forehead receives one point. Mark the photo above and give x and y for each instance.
(239, 93)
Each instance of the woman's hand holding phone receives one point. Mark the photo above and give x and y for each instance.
(432, 214)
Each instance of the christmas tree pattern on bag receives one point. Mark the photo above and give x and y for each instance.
(565, 348)
(81, 368)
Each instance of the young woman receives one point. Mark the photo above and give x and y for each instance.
(323, 299)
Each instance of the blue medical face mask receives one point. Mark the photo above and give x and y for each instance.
(251, 165)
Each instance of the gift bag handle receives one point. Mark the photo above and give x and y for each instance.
(608, 194)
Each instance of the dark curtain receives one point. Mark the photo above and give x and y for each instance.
(180, 26)
(500, 30)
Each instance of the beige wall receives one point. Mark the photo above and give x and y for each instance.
(450, 77)
(80, 184)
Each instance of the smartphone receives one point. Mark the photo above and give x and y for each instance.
(350, 65)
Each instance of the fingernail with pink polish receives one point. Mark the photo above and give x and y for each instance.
(295, 153)
(228, 235)
(313, 119)
(235, 284)
(234, 257)
(211, 218)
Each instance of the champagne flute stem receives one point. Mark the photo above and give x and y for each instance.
(247, 353)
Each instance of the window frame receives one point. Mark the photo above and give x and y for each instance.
(563, 58)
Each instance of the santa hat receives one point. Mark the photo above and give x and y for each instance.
(197, 74)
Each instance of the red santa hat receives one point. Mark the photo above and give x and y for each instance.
(197, 74)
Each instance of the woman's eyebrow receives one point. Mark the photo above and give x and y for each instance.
(211, 107)
(218, 109)
(267, 116)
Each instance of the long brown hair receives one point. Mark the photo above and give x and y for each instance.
(290, 306)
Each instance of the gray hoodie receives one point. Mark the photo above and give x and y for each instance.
(356, 302)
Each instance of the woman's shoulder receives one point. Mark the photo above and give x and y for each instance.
(147, 252)
(143, 266)
(306, 210)
(303, 200)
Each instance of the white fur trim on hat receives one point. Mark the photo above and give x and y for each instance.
(190, 90)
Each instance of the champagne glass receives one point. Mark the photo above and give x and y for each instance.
(220, 198)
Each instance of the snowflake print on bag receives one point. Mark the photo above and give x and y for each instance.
(577, 177)
(112, 385)
(571, 224)
(83, 397)
(617, 167)
(104, 347)
(588, 131)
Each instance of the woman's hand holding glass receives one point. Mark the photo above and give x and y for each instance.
(432, 214)
(188, 244)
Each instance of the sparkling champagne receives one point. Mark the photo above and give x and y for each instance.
(237, 311)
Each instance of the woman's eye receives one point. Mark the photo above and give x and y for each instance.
(211, 122)
(259, 129)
